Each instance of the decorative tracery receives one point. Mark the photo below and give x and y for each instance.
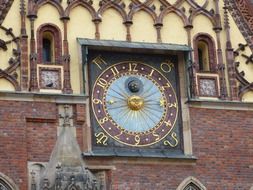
(10, 73)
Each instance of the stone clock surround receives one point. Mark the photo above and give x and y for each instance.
(183, 81)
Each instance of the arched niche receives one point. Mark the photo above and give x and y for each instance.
(204, 52)
(112, 29)
(143, 29)
(173, 30)
(191, 183)
(49, 44)
(42, 18)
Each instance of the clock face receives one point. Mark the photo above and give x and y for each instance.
(135, 103)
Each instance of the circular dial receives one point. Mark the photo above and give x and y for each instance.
(134, 103)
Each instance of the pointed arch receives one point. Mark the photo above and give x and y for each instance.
(178, 12)
(142, 7)
(82, 3)
(117, 7)
(7, 182)
(191, 182)
(203, 12)
(54, 3)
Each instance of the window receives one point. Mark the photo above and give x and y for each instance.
(47, 47)
(49, 44)
(204, 53)
(191, 186)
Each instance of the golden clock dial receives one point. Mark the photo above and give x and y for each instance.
(134, 103)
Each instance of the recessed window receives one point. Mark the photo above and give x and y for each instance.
(204, 53)
(47, 47)
(191, 186)
(49, 44)
(203, 56)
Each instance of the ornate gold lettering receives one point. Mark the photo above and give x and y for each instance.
(99, 62)
(101, 138)
(151, 73)
(114, 71)
(156, 135)
(168, 143)
(167, 85)
(102, 121)
(137, 139)
(96, 101)
(102, 83)
(132, 67)
(117, 136)
(166, 66)
(170, 105)
(167, 123)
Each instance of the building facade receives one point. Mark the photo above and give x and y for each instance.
(157, 93)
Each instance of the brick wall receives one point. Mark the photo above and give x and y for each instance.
(222, 142)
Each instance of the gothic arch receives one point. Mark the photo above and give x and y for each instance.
(169, 10)
(54, 3)
(142, 7)
(115, 6)
(82, 3)
(193, 181)
(7, 182)
(203, 12)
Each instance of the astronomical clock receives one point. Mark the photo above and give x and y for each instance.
(135, 105)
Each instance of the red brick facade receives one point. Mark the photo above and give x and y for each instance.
(221, 140)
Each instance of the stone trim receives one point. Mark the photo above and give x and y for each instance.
(192, 180)
(219, 104)
(211, 50)
(8, 181)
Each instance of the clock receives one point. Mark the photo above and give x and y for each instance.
(134, 102)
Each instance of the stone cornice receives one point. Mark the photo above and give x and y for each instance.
(219, 104)
(43, 97)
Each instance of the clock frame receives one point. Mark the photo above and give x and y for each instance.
(107, 70)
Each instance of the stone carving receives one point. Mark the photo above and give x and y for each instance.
(207, 87)
(50, 78)
(9, 73)
(244, 84)
(66, 169)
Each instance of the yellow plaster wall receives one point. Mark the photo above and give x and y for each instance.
(248, 97)
(43, 18)
(143, 29)
(5, 85)
(80, 25)
(201, 24)
(173, 30)
(12, 16)
(112, 26)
